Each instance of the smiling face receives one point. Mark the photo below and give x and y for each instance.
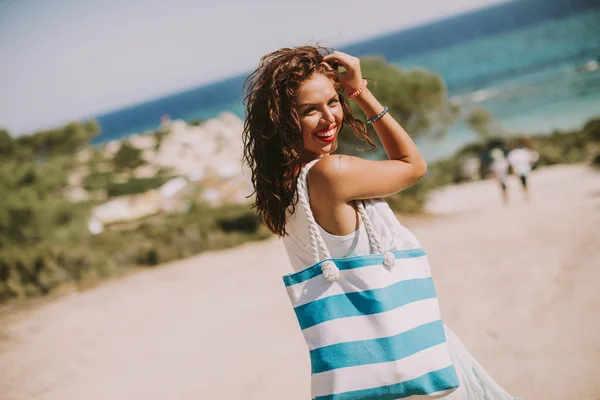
(320, 111)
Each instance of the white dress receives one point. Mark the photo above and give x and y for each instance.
(475, 383)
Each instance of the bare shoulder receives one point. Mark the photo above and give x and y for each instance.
(325, 177)
(329, 168)
(333, 171)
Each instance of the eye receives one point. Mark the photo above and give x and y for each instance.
(334, 101)
(308, 111)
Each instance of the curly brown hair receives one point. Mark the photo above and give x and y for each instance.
(272, 134)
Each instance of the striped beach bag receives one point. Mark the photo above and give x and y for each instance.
(372, 323)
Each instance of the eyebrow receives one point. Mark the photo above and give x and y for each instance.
(316, 104)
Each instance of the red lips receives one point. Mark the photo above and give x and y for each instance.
(327, 139)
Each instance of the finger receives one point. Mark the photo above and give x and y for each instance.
(342, 58)
(331, 59)
(333, 65)
(329, 66)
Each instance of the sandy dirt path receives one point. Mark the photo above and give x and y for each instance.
(518, 284)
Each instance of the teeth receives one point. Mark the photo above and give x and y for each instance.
(326, 134)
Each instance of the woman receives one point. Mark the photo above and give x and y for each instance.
(296, 107)
(499, 167)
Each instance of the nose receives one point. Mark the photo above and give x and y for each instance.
(327, 116)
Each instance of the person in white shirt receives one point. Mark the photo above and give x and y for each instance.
(499, 167)
(521, 160)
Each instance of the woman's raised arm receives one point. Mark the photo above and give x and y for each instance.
(350, 178)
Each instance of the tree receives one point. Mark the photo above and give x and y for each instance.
(417, 99)
(92, 128)
(592, 129)
(32, 205)
(128, 157)
(66, 139)
(73, 136)
(483, 123)
(7, 144)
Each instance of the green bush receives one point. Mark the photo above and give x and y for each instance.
(592, 129)
(65, 140)
(246, 223)
(105, 181)
(98, 181)
(8, 146)
(77, 257)
(127, 157)
(135, 185)
(596, 160)
(563, 147)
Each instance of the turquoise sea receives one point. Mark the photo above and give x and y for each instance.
(532, 63)
(531, 79)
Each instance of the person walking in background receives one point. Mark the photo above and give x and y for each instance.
(522, 159)
(499, 167)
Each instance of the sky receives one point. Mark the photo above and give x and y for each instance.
(63, 60)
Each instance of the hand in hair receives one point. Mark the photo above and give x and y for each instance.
(351, 79)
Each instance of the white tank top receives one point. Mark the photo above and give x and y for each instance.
(391, 233)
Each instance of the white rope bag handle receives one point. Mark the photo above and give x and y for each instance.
(330, 271)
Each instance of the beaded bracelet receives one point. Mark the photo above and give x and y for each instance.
(359, 90)
(378, 116)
